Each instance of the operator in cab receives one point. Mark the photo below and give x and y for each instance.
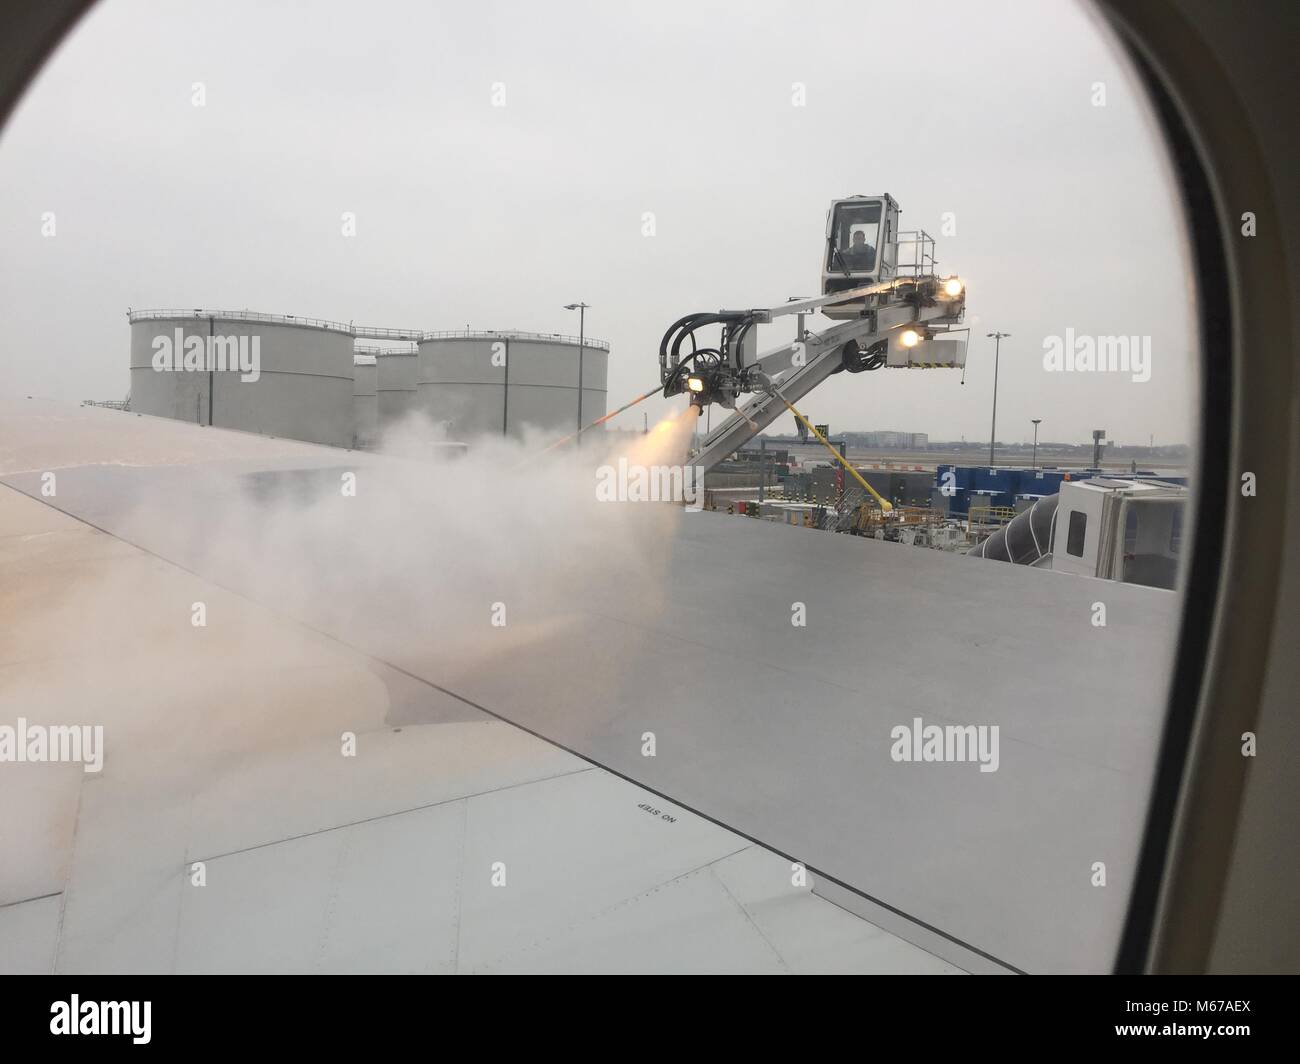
(860, 255)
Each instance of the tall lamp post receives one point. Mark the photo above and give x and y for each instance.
(1037, 421)
(581, 308)
(997, 338)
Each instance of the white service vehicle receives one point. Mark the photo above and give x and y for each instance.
(1108, 527)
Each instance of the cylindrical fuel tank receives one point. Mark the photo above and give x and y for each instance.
(507, 383)
(266, 373)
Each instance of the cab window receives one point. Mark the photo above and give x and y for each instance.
(855, 237)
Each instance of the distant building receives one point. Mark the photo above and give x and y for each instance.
(886, 440)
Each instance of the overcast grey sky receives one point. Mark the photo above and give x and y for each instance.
(469, 213)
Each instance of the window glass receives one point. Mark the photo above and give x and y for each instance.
(855, 235)
(1130, 528)
(1078, 529)
(536, 592)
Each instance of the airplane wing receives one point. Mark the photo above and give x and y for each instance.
(370, 713)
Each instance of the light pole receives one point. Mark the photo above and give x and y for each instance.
(997, 338)
(1034, 461)
(581, 308)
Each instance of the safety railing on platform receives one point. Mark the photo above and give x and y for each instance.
(920, 247)
(199, 313)
(378, 332)
(511, 334)
(990, 515)
(368, 332)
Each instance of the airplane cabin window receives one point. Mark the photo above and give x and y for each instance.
(462, 474)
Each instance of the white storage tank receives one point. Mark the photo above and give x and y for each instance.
(268, 373)
(365, 401)
(500, 383)
(398, 374)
